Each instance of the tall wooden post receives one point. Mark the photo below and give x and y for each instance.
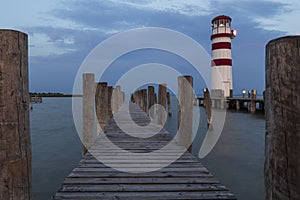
(123, 97)
(15, 147)
(162, 94)
(138, 97)
(253, 102)
(151, 101)
(208, 105)
(114, 100)
(109, 103)
(169, 104)
(238, 105)
(185, 111)
(282, 164)
(144, 99)
(88, 101)
(101, 105)
(119, 97)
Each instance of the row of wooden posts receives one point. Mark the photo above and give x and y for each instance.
(282, 171)
(147, 98)
(107, 100)
(103, 99)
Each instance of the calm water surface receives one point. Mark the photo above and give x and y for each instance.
(237, 159)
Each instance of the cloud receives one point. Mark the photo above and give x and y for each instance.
(286, 21)
(62, 33)
(73, 25)
(189, 8)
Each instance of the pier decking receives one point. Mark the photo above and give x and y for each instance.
(107, 172)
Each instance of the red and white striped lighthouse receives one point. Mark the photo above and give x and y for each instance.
(221, 65)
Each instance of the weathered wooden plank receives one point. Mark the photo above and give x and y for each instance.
(141, 180)
(142, 188)
(138, 168)
(141, 165)
(207, 195)
(115, 175)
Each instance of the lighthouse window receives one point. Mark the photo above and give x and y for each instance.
(215, 24)
(222, 22)
(227, 22)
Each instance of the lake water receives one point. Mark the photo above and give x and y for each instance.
(236, 161)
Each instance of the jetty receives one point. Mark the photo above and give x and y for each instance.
(185, 178)
(36, 99)
(133, 156)
(250, 103)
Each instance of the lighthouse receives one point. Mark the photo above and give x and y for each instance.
(221, 65)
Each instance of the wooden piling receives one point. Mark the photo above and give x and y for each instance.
(185, 111)
(144, 99)
(169, 104)
(253, 102)
(238, 105)
(114, 100)
(282, 171)
(139, 98)
(162, 95)
(109, 103)
(118, 97)
(123, 97)
(88, 101)
(208, 106)
(151, 101)
(101, 105)
(15, 147)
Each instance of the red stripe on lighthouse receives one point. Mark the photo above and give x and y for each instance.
(219, 62)
(221, 45)
(221, 35)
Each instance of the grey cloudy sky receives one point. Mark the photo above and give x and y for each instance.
(63, 32)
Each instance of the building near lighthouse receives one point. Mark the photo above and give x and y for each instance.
(221, 65)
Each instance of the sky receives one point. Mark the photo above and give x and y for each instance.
(63, 32)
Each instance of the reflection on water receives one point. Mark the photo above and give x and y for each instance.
(237, 160)
(56, 148)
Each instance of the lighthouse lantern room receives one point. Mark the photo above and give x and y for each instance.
(221, 65)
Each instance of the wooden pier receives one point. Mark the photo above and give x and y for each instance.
(240, 103)
(185, 178)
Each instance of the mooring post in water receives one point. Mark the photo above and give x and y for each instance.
(282, 95)
(253, 102)
(169, 104)
(185, 111)
(151, 101)
(15, 147)
(208, 105)
(101, 105)
(88, 107)
(238, 105)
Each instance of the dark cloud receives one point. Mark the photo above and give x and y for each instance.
(103, 17)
